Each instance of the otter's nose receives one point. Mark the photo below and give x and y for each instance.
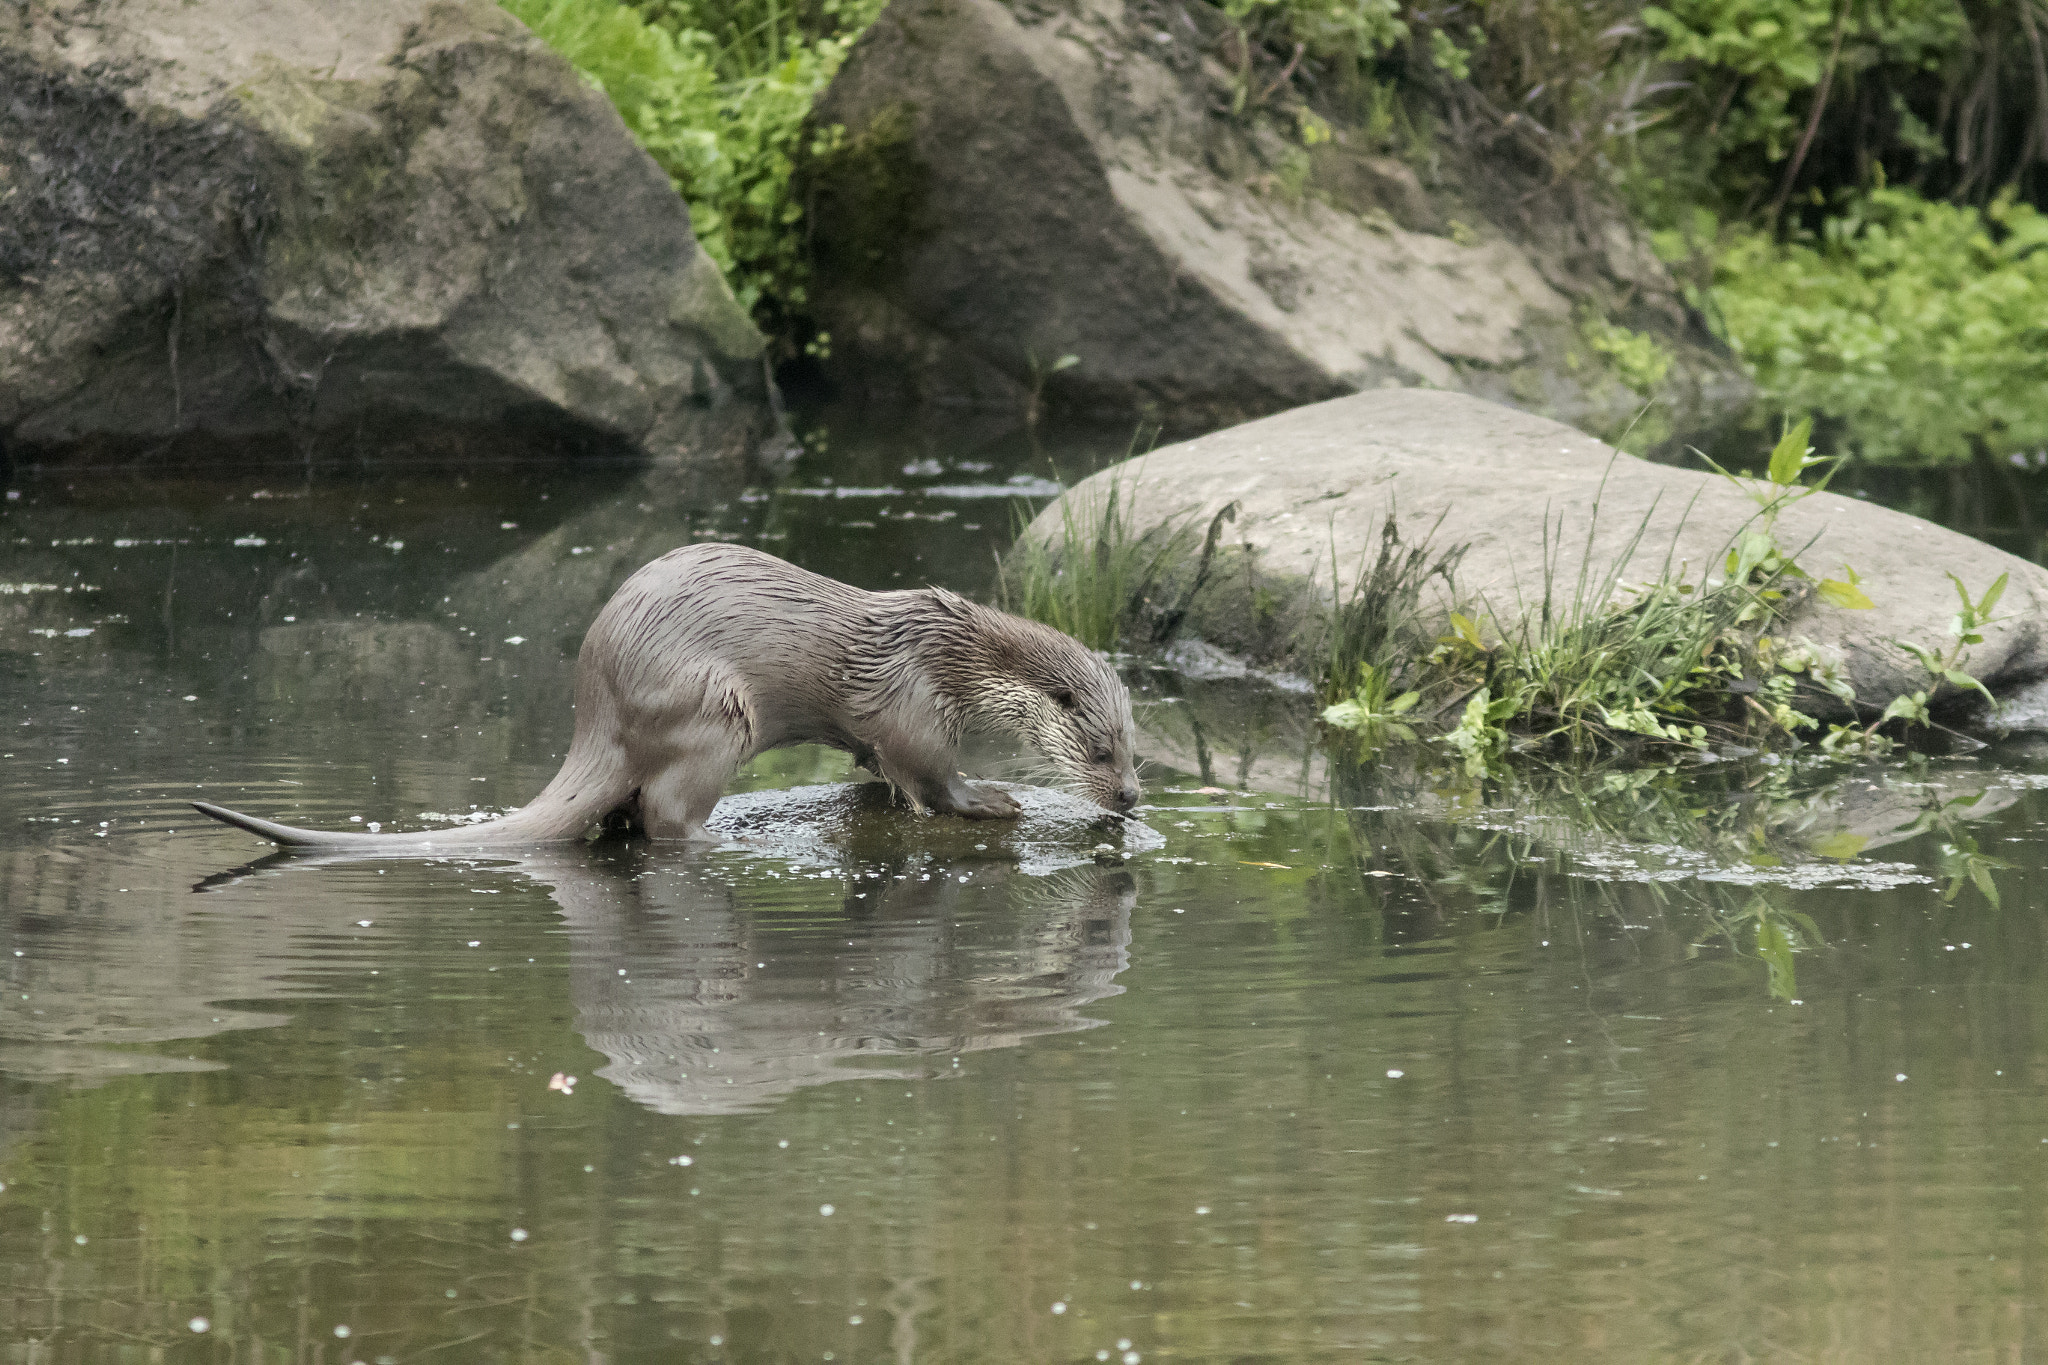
(1127, 794)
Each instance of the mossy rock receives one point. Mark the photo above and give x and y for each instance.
(357, 230)
(1534, 503)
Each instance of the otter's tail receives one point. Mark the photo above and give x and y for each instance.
(590, 786)
(271, 830)
(539, 827)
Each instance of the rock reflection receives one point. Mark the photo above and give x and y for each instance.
(707, 1000)
(1673, 821)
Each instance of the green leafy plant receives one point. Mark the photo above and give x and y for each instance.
(1943, 665)
(1376, 623)
(1372, 708)
(1640, 361)
(1922, 327)
(1776, 933)
(1603, 659)
(1757, 548)
(1596, 662)
(718, 93)
(1349, 34)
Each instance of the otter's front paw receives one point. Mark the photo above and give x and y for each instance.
(985, 803)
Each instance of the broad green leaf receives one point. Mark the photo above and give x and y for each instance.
(1406, 701)
(1981, 875)
(1991, 596)
(1912, 708)
(1776, 950)
(1788, 457)
(1962, 679)
(1848, 596)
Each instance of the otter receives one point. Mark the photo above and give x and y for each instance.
(714, 653)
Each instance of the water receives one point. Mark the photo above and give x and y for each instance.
(1349, 1062)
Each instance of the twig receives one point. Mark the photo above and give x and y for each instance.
(1820, 102)
(1286, 72)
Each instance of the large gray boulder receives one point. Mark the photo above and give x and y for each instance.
(1019, 182)
(298, 229)
(1322, 479)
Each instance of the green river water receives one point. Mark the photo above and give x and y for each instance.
(1325, 1060)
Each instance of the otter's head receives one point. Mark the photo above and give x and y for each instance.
(1063, 700)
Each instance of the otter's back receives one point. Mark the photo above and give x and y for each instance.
(783, 629)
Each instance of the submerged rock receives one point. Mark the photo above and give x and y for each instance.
(1534, 502)
(1022, 183)
(828, 824)
(350, 229)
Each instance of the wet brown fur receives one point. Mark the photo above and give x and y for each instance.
(714, 653)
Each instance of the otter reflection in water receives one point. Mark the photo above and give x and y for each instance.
(708, 1000)
(854, 939)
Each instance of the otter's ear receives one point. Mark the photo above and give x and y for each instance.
(1063, 699)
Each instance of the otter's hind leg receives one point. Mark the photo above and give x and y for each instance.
(692, 763)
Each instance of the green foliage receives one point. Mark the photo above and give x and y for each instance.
(1375, 633)
(1945, 665)
(1376, 645)
(1910, 315)
(1922, 326)
(1671, 661)
(1759, 60)
(1349, 31)
(718, 92)
(1585, 667)
(1106, 580)
(1639, 360)
(1372, 708)
(1757, 547)
(1654, 660)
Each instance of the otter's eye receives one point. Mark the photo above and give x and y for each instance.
(1064, 699)
(1101, 756)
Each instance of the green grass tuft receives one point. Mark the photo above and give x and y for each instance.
(1105, 580)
